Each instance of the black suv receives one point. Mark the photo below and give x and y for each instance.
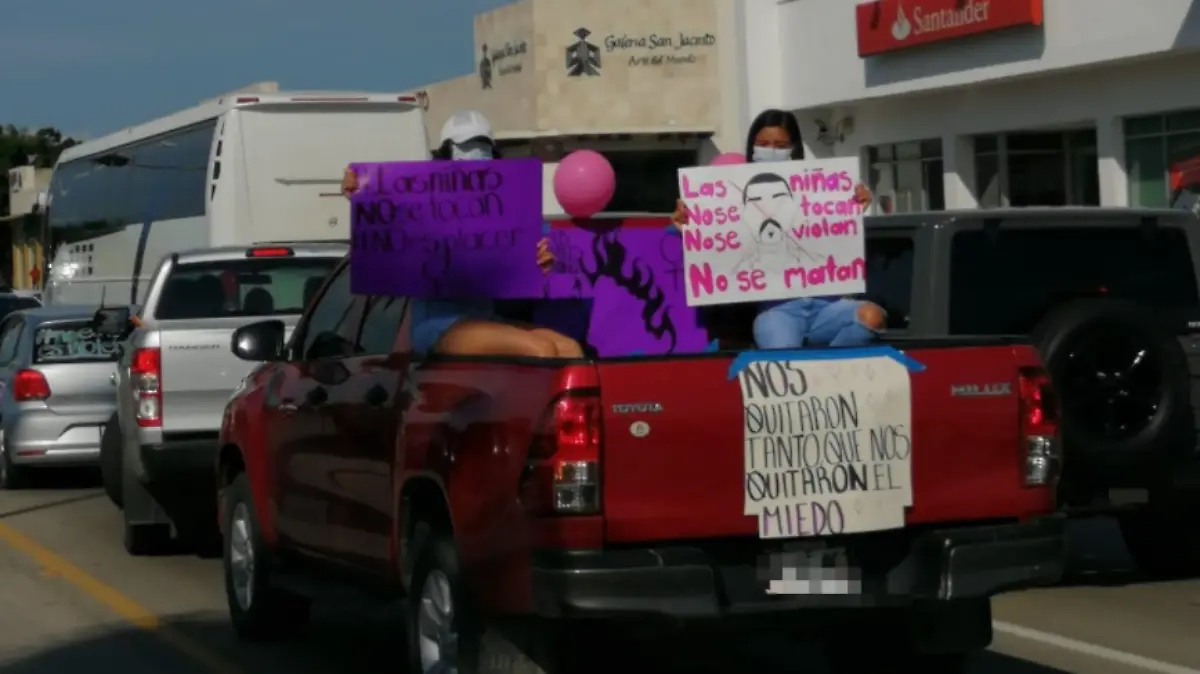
(1110, 298)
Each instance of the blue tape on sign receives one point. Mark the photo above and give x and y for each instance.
(713, 346)
(545, 228)
(746, 357)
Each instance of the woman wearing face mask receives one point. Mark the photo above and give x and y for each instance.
(807, 321)
(470, 327)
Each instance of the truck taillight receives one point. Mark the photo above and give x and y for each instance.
(565, 457)
(29, 385)
(1041, 450)
(145, 378)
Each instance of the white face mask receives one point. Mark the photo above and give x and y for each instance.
(769, 154)
(472, 149)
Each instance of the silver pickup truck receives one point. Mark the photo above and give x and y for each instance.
(176, 373)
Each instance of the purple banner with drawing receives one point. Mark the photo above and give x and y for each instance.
(632, 271)
(463, 229)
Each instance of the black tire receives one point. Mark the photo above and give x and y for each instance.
(508, 650)
(863, 660)
(267, 612)
(1101, 449)
(12, 476)
(937, 638)
(147, 540)
(1162, 538)
(111, 461)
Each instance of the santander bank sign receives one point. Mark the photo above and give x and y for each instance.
(891, 25)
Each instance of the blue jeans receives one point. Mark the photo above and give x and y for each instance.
(811, 321)
(430, 319)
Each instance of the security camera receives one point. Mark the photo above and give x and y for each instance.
(823, 133)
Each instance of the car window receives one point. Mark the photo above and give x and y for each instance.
(73, 342)
(380, 325)
(1003, 282)
(890, 277)
(327, 331)
(247, 287)
(10, 335)
(11, 303)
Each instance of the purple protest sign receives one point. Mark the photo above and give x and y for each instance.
(439, 229)
(632, 272)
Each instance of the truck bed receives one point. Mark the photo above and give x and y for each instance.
(682, 480)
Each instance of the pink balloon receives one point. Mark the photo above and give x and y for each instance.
(728, 159)
(584, 183)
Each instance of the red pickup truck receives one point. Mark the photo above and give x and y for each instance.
(515, 500)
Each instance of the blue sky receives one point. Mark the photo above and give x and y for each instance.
(90, 67)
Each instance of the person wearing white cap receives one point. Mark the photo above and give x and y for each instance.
(470, 327)
(467, 134)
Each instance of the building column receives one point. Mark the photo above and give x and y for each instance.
(958, 172)
(1110, 160)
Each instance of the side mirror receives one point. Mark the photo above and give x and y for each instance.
(116, 322)
(260, 342)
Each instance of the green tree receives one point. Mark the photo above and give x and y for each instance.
(23, 147)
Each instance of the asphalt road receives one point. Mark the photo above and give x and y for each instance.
(71, 600)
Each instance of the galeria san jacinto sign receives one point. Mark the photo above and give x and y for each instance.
(891, 25)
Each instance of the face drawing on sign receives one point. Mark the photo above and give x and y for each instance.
(768, 214)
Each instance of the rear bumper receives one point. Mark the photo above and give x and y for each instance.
(42, 437)
(188, 457)
(694, 582)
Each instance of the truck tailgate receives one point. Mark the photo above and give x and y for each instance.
(673, 458)
(199, 372)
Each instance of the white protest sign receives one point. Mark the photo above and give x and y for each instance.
(772, 231)
(827, 446)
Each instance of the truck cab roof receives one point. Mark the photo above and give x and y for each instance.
(263, 250)
(1057, 214)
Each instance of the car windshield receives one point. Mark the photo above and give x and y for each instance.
(73, 342)
(246, 287)
(990, 294)
(11, 303)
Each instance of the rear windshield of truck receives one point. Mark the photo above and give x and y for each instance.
(247, 287)
(73, 342)
(1004, 282)
(11, 303)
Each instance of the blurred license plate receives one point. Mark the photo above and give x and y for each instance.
(823, 571)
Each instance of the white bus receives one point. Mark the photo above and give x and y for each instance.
(245, 168)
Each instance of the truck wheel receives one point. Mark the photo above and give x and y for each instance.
(935, 638)
(1163, 541)
(1122, 377)
(445, 631)
(111, 447)
(257, 610)
(857, 662)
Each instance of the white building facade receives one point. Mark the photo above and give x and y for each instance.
(987, 103)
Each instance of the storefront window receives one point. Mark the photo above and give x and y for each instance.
(907, 177)
(647, 181)
(1162, 158)
(1037, 169)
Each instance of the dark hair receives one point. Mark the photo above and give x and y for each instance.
(762, 179)
(779, 118)
(443, 150)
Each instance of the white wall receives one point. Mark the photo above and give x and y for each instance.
(809, 47)
(1064, 99)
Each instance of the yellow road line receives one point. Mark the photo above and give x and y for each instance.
(132, 612)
